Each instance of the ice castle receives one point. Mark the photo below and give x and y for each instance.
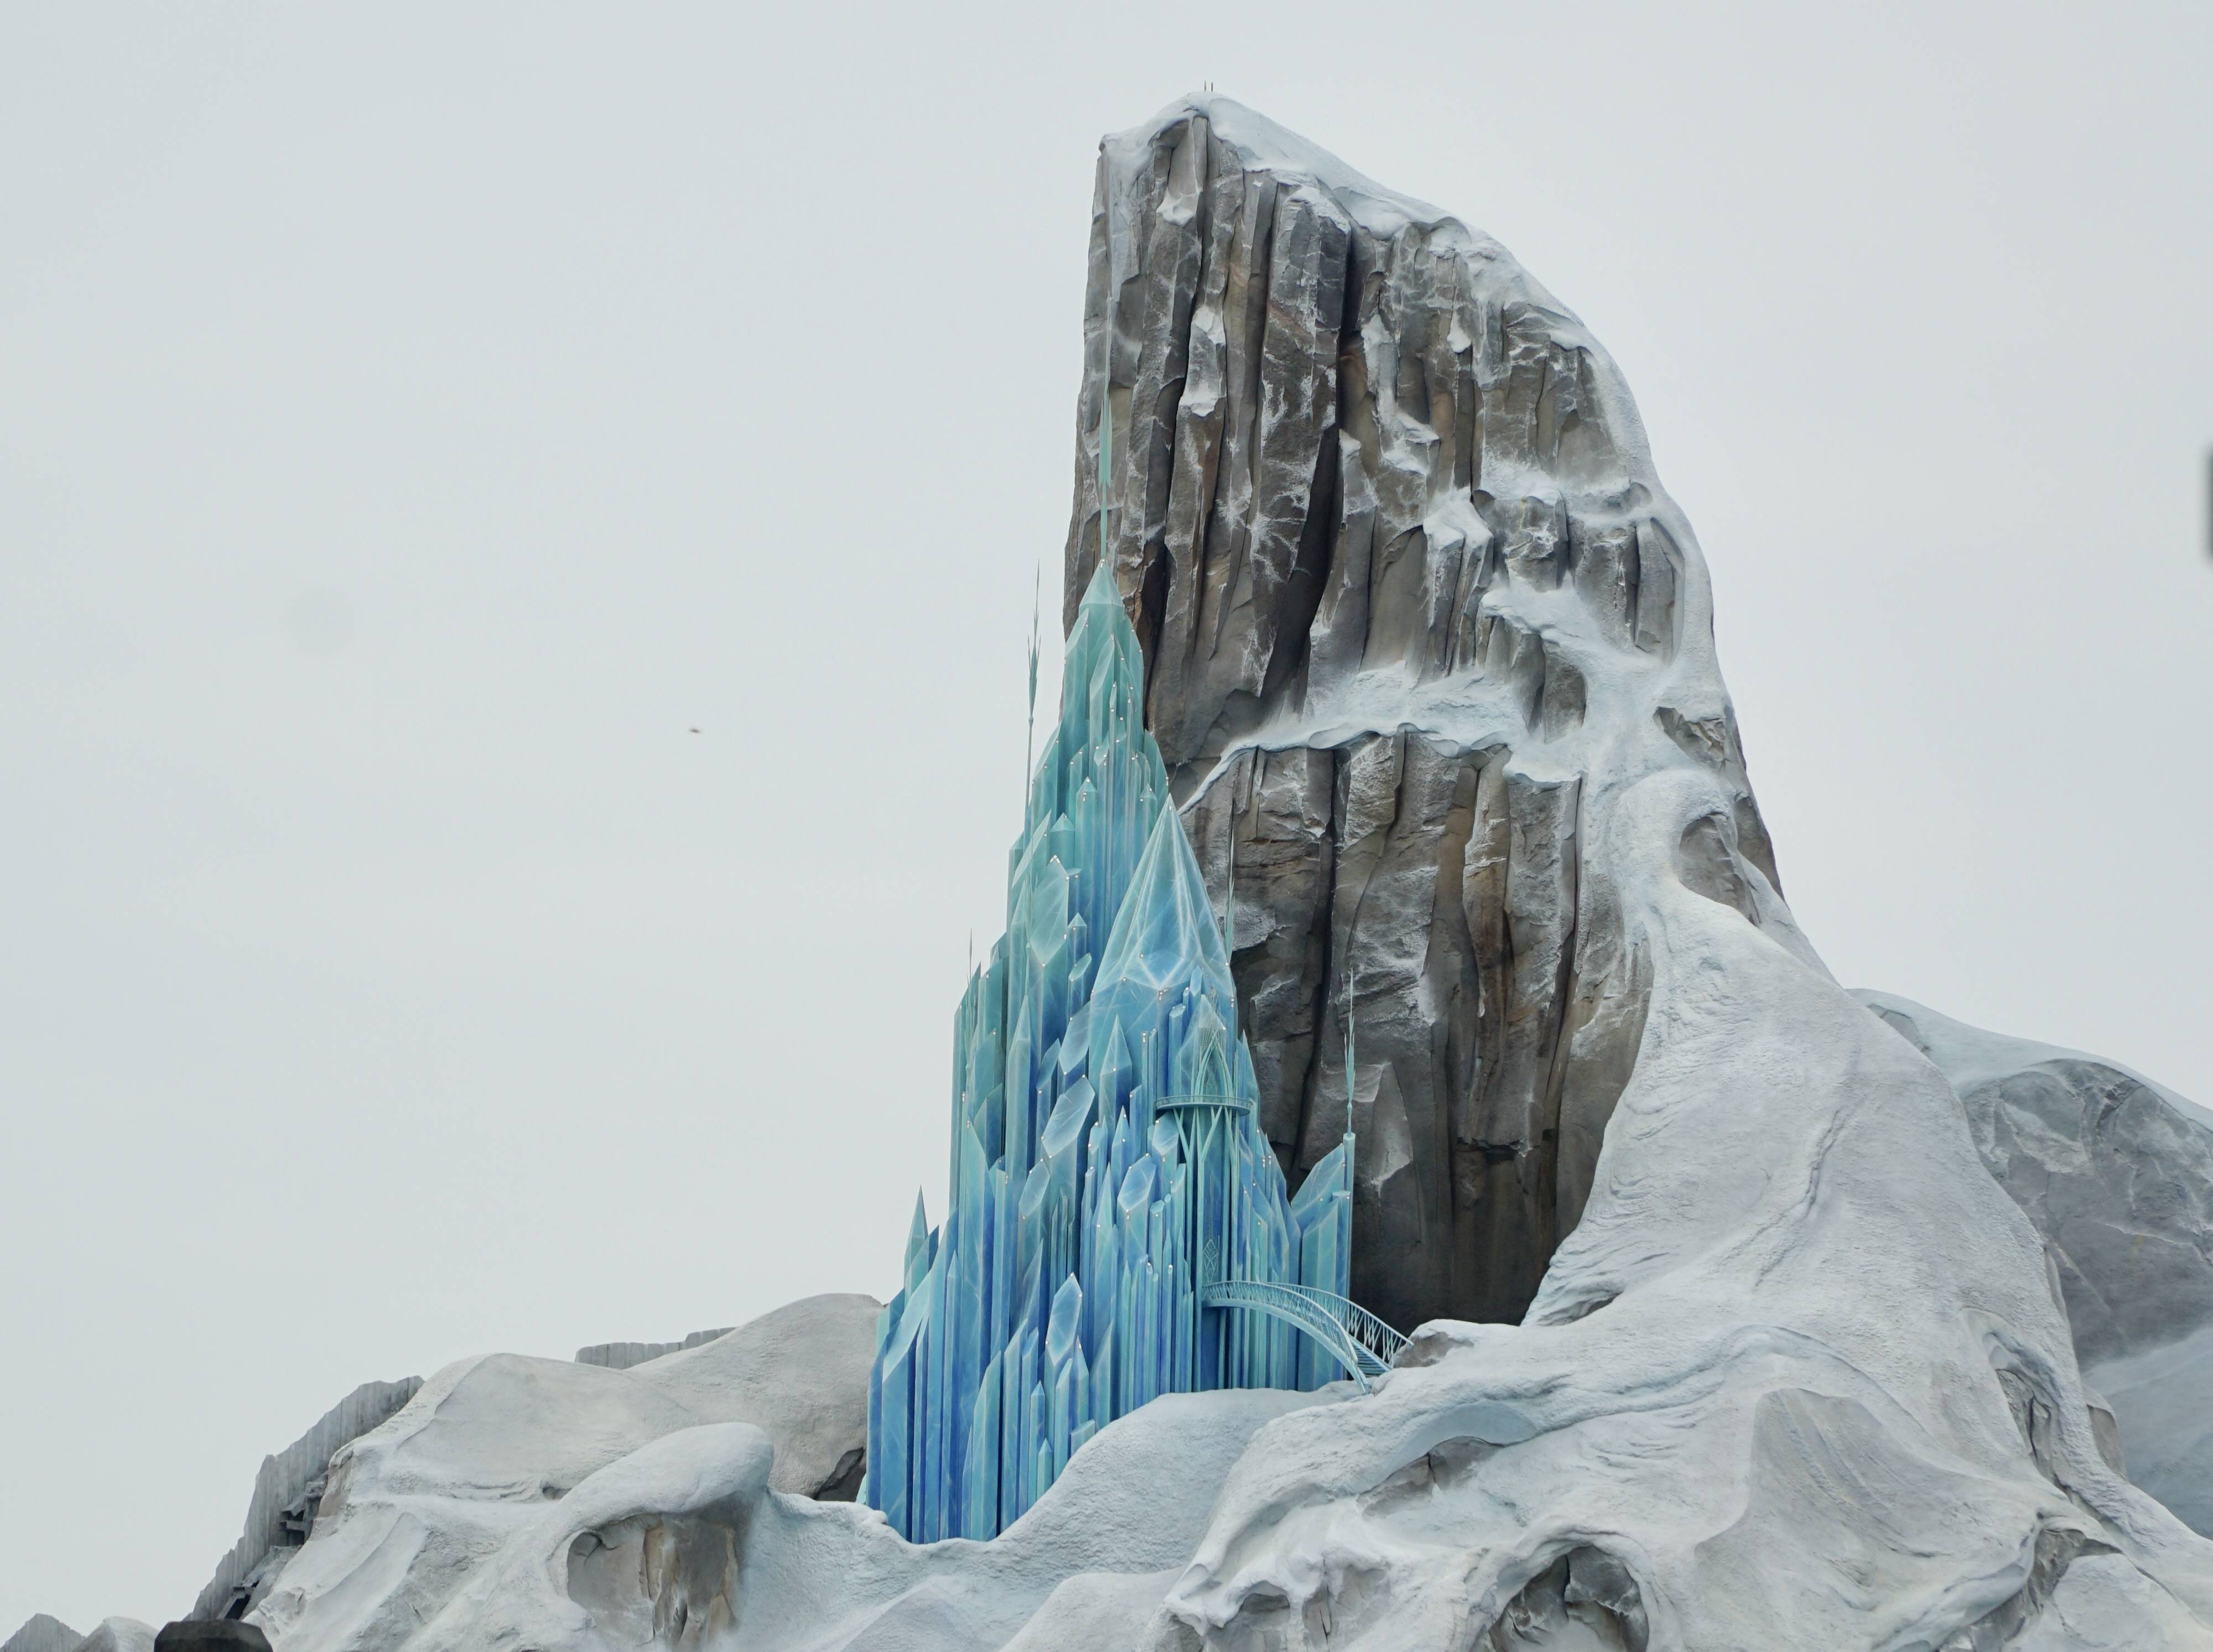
(1119, 1226)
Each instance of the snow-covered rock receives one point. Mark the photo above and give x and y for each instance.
(40, 1633)
(2116, 1172)
(2162, 1405)
(685, 1544)
(621, 1355)
(119, 1634)
(210, 1635)
(1798, 1379)
(1410, 594)
(286, 1493)
(494, 1447)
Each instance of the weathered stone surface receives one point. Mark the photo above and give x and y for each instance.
(286, 1493)
(199, 1635)
(1403, 576)
(621, 1355)
(2117, 1174)
(40, 1633)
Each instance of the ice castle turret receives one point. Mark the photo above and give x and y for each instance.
(1111, 1191)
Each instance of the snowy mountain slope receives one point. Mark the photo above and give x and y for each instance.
(2117, 1174)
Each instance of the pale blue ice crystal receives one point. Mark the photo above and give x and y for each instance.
(1110, 1185)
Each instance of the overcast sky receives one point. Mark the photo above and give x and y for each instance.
(415, 423)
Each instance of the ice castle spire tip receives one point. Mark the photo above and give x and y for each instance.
(1102, 588)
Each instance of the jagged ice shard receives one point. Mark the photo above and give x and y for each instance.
(1113, 1204)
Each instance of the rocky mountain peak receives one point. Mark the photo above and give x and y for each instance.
(1408, 589)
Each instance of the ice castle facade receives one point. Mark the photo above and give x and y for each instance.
(1107, 1171)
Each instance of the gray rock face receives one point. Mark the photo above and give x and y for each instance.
(621, 1355)
(2117, 1174)
(1402, 573)
(40, 1633)
(286, 1493)
(191, 1634)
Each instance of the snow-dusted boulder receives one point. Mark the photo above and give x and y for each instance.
(621, 1355)
(2117, 1174)
(492, 1448)
(119, 1634)
(211, 1635)
(2116, 1171)
(684, 1544)
(41, 1633)
(286, 1493)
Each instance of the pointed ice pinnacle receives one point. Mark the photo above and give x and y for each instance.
(918, 1242)
(1104, 1143)
(1229, 907)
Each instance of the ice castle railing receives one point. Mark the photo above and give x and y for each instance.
(1363, 1344)
(1193, 1103)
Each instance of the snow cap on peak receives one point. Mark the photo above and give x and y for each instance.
(1265, 146)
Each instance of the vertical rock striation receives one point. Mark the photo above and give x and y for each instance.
(286, 1494)
(42, 1633)
(621, 1355)
(1404, 580)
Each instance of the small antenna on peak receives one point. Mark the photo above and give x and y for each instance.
(1029, 734)
(1351, 988)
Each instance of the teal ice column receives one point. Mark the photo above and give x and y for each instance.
(1106, 1159)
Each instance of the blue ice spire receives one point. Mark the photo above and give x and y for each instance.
(1106, 1160)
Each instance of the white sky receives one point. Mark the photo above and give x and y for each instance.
(414, 421)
